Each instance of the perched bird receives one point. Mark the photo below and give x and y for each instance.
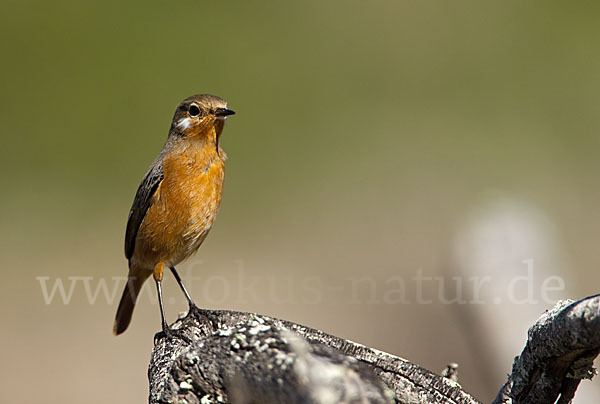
(177, 202)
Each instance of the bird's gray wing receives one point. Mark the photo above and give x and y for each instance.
(141, 203)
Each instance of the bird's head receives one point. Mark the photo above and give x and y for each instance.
(200, 116)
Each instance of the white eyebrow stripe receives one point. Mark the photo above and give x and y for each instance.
(184, 123)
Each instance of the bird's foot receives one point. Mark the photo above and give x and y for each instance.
(198, 313)
(202, 317)
(172, 334)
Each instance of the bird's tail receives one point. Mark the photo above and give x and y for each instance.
(135, 280)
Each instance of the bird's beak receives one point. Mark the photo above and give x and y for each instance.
(223, 112)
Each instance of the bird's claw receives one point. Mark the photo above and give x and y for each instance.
(198, 313)
(171, 334)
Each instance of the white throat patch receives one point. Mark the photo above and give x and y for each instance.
(184, 123)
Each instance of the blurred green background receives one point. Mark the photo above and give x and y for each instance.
(367, 134)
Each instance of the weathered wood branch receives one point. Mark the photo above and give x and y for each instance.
(226, 356)
(561, 348)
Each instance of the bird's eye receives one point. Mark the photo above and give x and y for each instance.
(194, 110)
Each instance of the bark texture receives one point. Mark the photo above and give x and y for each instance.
(560, 351)
(219, 356)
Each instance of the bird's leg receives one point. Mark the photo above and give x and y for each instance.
(182, 286)
(193, 309)
(168, 332)
(158, 277)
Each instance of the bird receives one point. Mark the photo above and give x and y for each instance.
(176, 203)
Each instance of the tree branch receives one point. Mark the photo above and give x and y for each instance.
(225, 356)
(561, 348)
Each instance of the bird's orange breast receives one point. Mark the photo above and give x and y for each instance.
(184, 206)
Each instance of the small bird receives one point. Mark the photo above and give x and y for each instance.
(177, 202)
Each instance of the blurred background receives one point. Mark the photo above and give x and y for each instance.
(387, 156)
